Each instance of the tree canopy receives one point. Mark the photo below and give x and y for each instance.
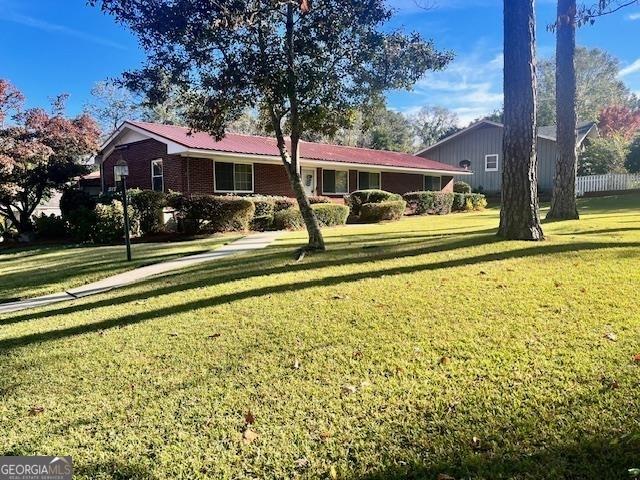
(431, 124)
(39, 153)
(307, 64)
(597, 85)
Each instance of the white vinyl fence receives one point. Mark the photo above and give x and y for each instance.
(607, 183)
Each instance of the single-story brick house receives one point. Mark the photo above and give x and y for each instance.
(479, 148)
(168, 157)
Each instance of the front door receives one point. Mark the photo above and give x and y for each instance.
(309, 180)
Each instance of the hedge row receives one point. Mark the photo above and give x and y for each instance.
(443, 203)
(328, 215)
(357, 199)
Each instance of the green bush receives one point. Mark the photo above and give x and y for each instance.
(328, 214)
(109, 226)
(283, 203)
(466, 202)
(149, 205)
(358, 198)
(461, 187)
(262, 223)
(265, 205)
(377, 212)
(431, 203)
(49, 227)
(78, 210)
(212, 213)
(314, 199)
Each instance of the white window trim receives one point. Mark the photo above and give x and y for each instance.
(335, 170)
(156, 160)
(253, 178)
(424, 181)
(486, 158)
(368, 171)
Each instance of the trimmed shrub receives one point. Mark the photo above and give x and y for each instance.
(262, 223)
(78, 210)
(49, 227)
(358, 198)
(429, 203)
(314, 199)
(466, 202)
(265, 205)
(148, 205)
(377, 212)
(328, 214)
(478, 201)
(283, 203)
(212, 213)
(109, 227)
(461, 187)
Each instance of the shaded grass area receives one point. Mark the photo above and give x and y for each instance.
(33, 271)
(422, 347)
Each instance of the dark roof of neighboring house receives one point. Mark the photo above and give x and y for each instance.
(548, 132)
(582, 130)
(266, 146)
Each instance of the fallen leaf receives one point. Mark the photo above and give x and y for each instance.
(339, 297)
(357, 354)
(36, 410)
(611, 336)
(475, 443)
(445, 361)
(173, 334)
(348, 389)
(302, 463)
(557, 284)
(215, 335)
(249, 418)
(324, 436)
(444, 476)
(249, 436)
(583, 290)
(296, 364)
(636, 357)
(482, 272)
(333, 473)
(365, 384)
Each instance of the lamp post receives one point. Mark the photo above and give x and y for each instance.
(121, 172)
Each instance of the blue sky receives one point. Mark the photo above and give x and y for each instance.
(54, 46)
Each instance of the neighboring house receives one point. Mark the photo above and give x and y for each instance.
(478, 148)
(166, 157)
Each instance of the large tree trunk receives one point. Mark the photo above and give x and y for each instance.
(563, 201)
(519, 217)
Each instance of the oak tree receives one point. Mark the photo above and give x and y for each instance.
(307, 63)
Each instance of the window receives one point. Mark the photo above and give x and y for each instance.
(335, 181)
(368, 180)
(491, 163)
(157, 176)
(233, 177)
(432, 184)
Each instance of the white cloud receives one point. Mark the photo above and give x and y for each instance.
(633, 68)
(46, 26)
(634, 16)
(471, 86)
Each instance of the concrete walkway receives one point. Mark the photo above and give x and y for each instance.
(251, 242)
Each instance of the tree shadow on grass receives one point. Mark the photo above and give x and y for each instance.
(594, 458)
(335, 280)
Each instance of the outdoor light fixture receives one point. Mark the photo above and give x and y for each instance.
(120, 173)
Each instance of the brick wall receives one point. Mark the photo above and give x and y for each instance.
(138, 156)
(401, 182)
(271, 180)
(447, 184)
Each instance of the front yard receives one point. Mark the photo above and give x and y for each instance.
(408, 350)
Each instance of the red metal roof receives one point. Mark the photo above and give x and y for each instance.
(256, 145)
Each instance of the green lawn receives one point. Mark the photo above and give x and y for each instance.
(33, 271)
(422, 347)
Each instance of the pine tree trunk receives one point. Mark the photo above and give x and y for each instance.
(563, 201)
(519, 216)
